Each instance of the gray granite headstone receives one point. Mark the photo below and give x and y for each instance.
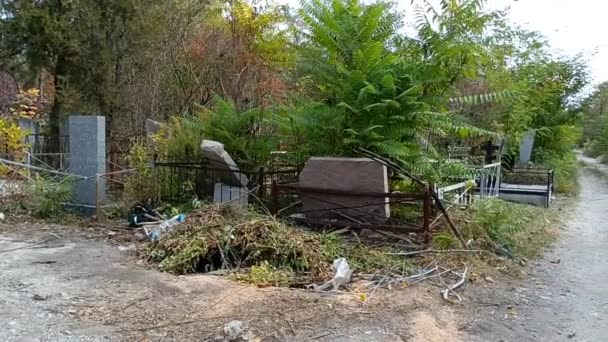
(87, 157)
(360, 175)
(226, 169)
(525, 148)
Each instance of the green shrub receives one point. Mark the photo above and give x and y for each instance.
(45, 196)
(500, 220)
(247, 135)
(141, 184)
(508, 228)
(565, 167)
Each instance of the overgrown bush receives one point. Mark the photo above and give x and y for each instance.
(12, 144)
(565, 167)
(140, 185)
(45, 196)
(247, 135)
(555, 150)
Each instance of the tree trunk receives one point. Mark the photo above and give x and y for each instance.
(53, 143)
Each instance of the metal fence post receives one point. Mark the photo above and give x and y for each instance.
(274, 205)
(29, 163)
(97, 195)
(261, 183)
(428, 213)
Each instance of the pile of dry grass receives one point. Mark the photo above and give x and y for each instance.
(224, 237)
(215, 237)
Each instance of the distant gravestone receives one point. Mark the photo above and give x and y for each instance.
(153, 127)
(232, 185)
(360, 175)
(526, 146)
(87, 158)
(226, 169)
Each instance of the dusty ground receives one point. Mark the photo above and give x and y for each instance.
(58, 284)
(565, 296)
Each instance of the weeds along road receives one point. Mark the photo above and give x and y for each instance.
(566, 297)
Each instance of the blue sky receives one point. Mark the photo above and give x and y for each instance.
(572, 26)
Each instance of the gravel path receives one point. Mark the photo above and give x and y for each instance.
(566, 296)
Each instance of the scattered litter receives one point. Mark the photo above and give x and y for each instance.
(557, 261)
(126, 248)
(142, 213)
(2, 217)
(341, 278)
(166, 226)
(572, 334)
(233, 330)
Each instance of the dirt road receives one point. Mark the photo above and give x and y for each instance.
(62, 286)
(566, 296)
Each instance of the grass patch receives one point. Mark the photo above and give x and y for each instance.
(566, 170)
(272, 252)
(510, 229)
(512, 234)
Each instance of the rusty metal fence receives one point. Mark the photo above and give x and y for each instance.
(181, 182)
(408, 212)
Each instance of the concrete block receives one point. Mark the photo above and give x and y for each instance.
(87, 157)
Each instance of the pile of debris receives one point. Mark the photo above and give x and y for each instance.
(228, 238)
(224, 237)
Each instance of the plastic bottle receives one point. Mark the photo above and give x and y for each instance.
(166, 226)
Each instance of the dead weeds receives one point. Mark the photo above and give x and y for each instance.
(270, 251)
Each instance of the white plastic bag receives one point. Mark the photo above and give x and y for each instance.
(341, 277)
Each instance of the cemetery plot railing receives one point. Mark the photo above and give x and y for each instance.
(458, 193)
(409, 213)
(180, 182)
(48, 151)
(488, 180)
(529, 181)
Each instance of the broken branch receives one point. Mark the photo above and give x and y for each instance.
(440, 251)
(450, 289)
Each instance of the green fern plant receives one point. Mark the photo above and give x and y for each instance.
(247, 135)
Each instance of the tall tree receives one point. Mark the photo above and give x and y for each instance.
(40, 34)
(350, 63)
